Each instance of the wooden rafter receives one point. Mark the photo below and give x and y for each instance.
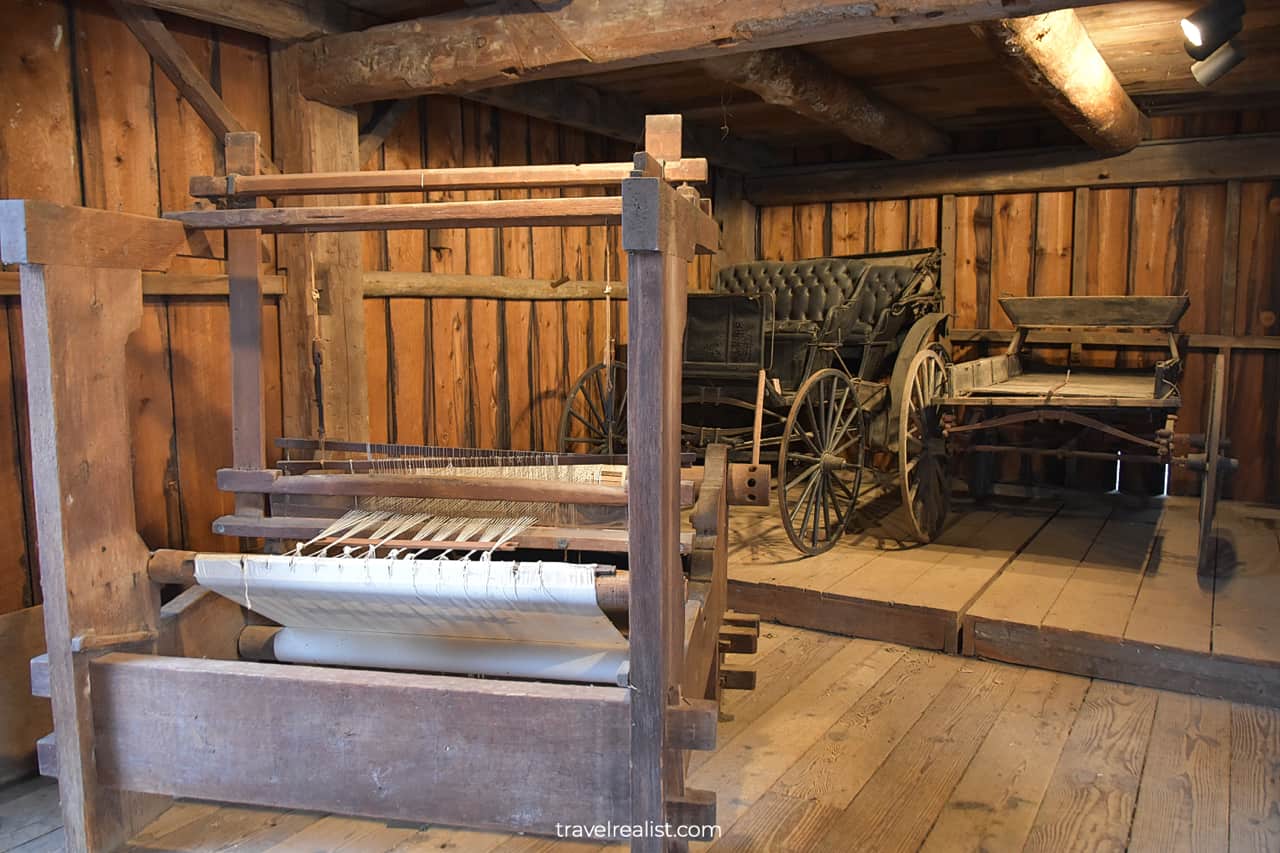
(796, 81)
(181, 69)
(514, 40)
(1177, 161)
(586, 108)
(1055, 57)
(284, 20)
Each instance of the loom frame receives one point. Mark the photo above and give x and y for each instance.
(152, 702)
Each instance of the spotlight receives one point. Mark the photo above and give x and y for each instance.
(1219, 62)
(1210, 27)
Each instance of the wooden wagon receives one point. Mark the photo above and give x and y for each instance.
(1075, 409)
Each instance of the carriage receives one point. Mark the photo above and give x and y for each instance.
(797, 363)
(964, 416)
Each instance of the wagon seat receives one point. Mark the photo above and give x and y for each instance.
(842, 302)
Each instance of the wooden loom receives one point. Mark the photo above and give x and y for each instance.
(155, 702)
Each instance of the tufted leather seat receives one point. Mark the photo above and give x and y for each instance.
(803, 293)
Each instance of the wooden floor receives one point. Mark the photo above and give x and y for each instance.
(1090, 589)
(861, 745)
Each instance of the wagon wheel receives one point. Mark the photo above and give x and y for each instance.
(820, 461)
(922, 450)
(595, 414)
(1206, 550)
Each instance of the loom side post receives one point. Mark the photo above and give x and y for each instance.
(76, 322)
(248, 423)
(660, 234)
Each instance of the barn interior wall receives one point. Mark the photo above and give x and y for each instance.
(93, 122)
(1148, 240)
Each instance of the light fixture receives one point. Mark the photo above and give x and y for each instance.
(1222, 60)
(1211, 26)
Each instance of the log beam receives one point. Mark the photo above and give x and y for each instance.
(1054, 57)
(794, 80)
(511, 41)
(586, 108)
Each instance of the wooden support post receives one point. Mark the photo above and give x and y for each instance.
(737, 218)
(76, 320)
(322, 312)
(1080, 242)
(947, 227)
(248, 424)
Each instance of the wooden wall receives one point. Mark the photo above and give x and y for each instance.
(1153, 240)
(88, 119)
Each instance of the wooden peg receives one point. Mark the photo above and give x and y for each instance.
(662, 137)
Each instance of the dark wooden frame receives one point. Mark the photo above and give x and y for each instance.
(140, 716)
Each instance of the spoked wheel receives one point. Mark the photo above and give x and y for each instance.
(595, 415)
(1206, 546)
(922, 451)
(820, 461)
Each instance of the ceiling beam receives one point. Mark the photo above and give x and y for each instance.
(179, 67)
(284, 20)
(587, 108)
(1053, 55)
(794, 80)
(514, 40)
(1173, 161)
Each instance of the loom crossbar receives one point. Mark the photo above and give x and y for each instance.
(553, 176)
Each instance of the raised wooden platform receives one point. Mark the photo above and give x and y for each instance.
(1118, 595)
(875, 584)
(1099, 589)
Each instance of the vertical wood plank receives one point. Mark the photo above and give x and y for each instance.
(487, 364)
(1012, 230)
(777, 233)
(447, 252)
(409, 363)
(1080, 242)
(848, 228)
(889, 223)
(923, 223)
(517, 260)
(577, 267)
(1053, 247)
(810, 231)
(547, 345)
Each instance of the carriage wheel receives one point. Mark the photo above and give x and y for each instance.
(1206, 546)
(820, 461)
(922, 451)
(595, 415)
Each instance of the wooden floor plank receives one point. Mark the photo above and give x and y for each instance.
(1183, 800)
(813, 793)
(1099, 595)
(744, 767)
(1091, 797)
(1029, 586)
(777, 674)
(29, 815)
(956, 581)
(337, 834)
(1255, 778)
(1174, 604)
(245, 829)
(995, 802)
(54, 842)
(1247, 588)
(896, 808)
